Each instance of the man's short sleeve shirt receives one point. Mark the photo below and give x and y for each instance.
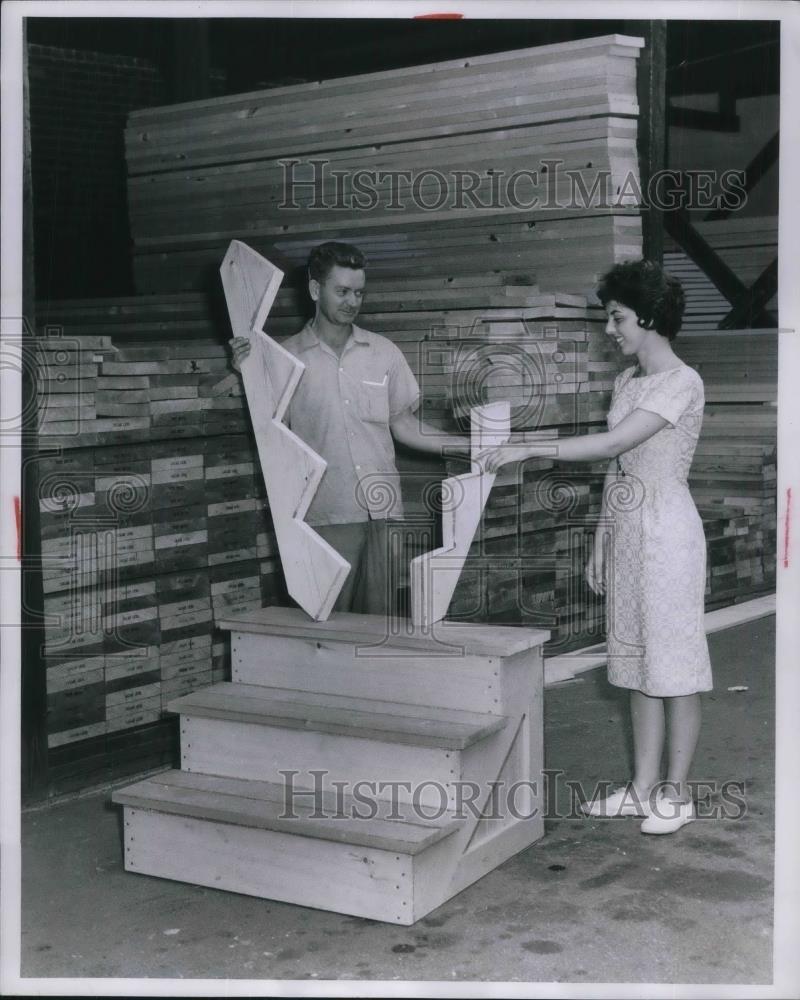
(342, 408)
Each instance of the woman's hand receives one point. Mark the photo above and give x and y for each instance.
(240, 346)
(491, 459)
(595, 571)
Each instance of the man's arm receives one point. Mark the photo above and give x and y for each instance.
(411, 430)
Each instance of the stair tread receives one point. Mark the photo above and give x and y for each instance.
(260, 804)
(445, 638)
(366, 718)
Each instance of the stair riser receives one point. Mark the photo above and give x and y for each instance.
(260, 753)
(452, 680)
(359, 881)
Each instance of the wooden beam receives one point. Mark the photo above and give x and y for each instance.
(652, 136)
(748, 310)
(707, 121)
(679, 226)
(764, 159)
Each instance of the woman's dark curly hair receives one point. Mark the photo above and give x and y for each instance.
(656, 297)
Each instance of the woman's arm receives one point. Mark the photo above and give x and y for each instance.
(595, 568)
(637, 427)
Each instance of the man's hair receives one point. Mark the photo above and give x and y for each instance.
(656, 297)
(326, 256)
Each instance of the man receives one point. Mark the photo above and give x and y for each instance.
(357, 394)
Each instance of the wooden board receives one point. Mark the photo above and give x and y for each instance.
(434, 575)
(252, 751)
(262, 805)
(314, 571)
(370, 632)
(201, 174)
(308, 664)
(367, 718)
(274, 865)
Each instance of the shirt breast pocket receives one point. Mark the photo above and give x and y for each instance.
(373, 400)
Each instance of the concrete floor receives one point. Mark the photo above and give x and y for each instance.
(594, 901)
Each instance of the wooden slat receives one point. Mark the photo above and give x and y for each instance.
(365, 718)
(620, 45)
(270, 864)
(207, 176)
(263, 805)
(370, 631)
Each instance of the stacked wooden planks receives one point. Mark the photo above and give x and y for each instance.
(153, 525)
(515, 159)
(733, 476)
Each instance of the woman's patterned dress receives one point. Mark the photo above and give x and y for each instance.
(657, 573)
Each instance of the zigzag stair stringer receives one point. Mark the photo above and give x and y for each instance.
(314, 571)
(435, 574)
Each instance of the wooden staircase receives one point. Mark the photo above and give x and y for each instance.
(349, 766)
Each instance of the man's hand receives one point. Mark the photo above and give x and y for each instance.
(240, 347)
(413, 432)
(595, 571)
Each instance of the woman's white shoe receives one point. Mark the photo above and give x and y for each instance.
(668, 816)
(623, 801)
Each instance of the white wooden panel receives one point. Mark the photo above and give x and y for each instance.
(365, 718)
(435, 574)
(453, 681)
(262, 805)
(371, 635)
(239, 750)
(314, 571)
(318, 873)
(487, 855)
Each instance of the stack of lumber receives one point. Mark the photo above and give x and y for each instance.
(133, 393)
(523, 159)
(145, 547)
(547, 355)
(733, 476)
(153, 527)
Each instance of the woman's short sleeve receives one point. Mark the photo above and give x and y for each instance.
(671, 397)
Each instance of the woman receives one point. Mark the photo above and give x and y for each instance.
(653, 568)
